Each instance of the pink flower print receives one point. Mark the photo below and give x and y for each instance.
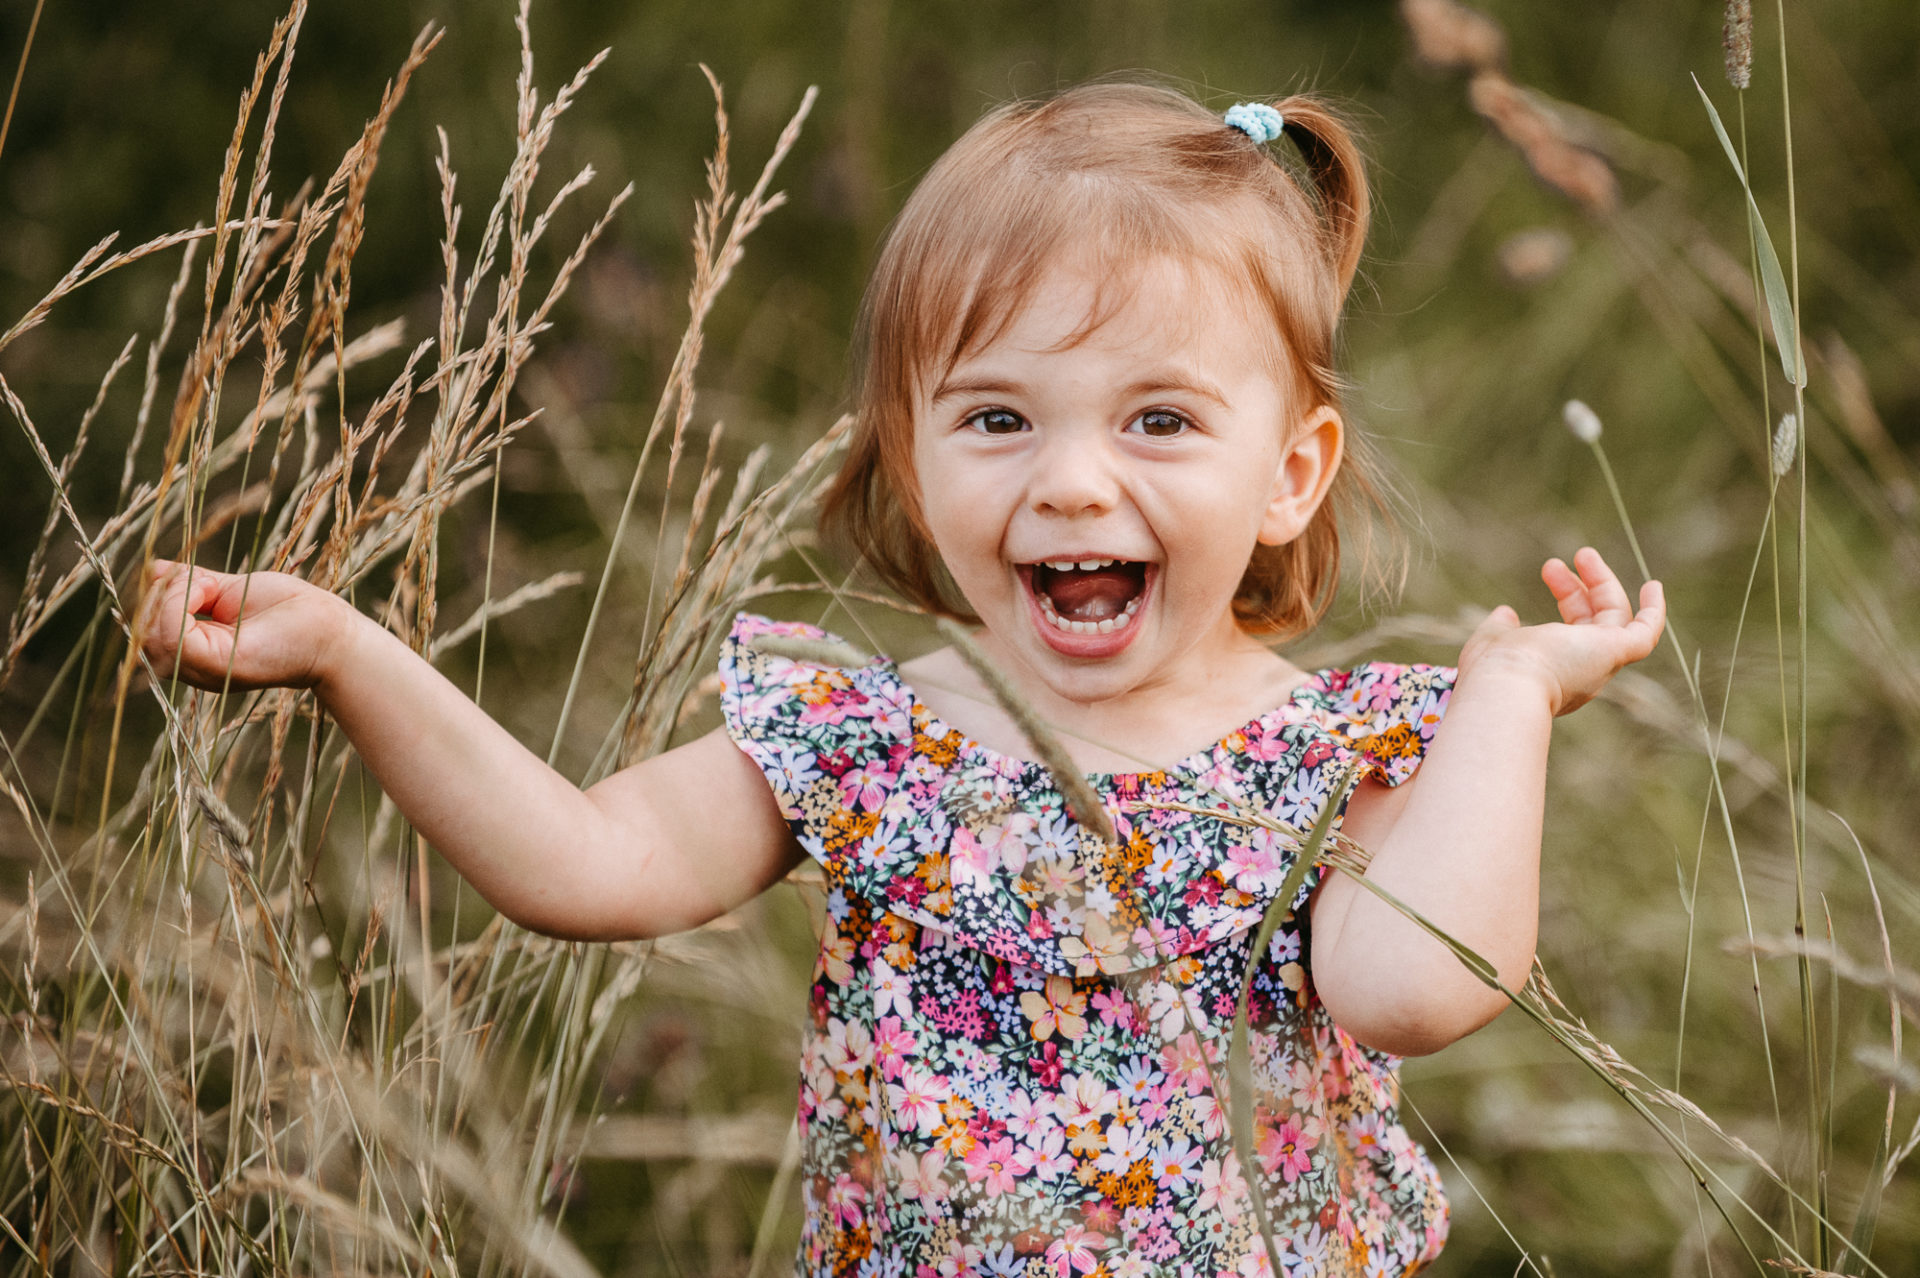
(1156, 938)
(1059, 1008)
(962, 1260)
(1255, 1264)
(1221, 1186)
(1253, 867)
(849, 1047)
(1159, 1101)
(1026, 1117)
(1159, 1245)
(1010, 838)
(924, 1177)
(1384, 691)
(1085, 1099)
(1046, 1066)
(1115, 1008)
(833, 707)
(893, 1046)
(916, 1099)
(1170, 1011)
(960, 1016)
(1048, 1160)
(865, 787)
(1268, 742)
(844, 1200)
(1185, 1064)
(978, 856)
(1222, 779)
(1282, 1151)
(1318, 752)
(836, 763)
(1073, 1251)
(907, 889)
(892, 991)
(1304, 1082)
(991, 1166)
(1204, 890)
(1207, 1112)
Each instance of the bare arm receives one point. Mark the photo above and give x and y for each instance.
(1460, 841)
(662, 846)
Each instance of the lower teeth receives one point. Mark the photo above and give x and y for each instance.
(1106, 627)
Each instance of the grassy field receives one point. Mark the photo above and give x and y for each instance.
(475, 378)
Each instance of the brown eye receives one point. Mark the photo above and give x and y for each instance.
(1160, 423)
(997, 421)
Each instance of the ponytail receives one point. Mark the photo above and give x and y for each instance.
(1338, 178)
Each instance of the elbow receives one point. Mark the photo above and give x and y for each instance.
(1417, 1031)
(1412, 1018)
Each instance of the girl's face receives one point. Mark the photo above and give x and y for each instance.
(1097, 495)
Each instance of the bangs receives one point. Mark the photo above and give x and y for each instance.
(977, 259)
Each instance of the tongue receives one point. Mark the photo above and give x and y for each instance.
(1091, 596)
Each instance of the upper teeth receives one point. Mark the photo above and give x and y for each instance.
(1084, 565)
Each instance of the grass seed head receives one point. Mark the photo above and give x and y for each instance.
(1786, 444)
(1449, 34)
(1582, 421)
(1737, 39)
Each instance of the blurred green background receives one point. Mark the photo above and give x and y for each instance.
(1488, 298)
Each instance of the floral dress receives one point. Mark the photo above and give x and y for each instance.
(1016, 1053)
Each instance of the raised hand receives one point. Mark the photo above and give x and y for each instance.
(1598, 633)
(224, 630)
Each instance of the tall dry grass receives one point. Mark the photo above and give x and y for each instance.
(222, 1056)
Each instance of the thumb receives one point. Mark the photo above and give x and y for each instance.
(1500, 620)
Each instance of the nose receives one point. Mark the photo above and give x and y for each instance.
(1074, 473)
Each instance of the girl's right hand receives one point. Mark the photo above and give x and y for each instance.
(218, 630)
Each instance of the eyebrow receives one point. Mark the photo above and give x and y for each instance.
(1171, 379)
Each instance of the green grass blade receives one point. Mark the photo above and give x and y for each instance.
(1239, 1053)
(1773, 281)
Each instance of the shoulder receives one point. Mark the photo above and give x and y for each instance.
(1387, 711)
(789, 690)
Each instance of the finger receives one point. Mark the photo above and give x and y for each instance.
(203, 592)
(1641, 635)
(1569, 592)
(1653, 608)
(1606, 597)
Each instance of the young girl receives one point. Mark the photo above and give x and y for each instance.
(1097, 416)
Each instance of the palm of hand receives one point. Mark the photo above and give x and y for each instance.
(1598, 633)
(219, 630)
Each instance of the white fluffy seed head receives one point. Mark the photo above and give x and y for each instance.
(1582, 421)
(1786, 444)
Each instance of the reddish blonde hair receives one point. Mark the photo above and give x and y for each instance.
(1125, 172)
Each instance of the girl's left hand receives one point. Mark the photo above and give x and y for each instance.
(1597, 635)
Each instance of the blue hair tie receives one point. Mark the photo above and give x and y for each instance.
(1257, 120)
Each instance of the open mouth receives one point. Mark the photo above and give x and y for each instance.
(1089, 596)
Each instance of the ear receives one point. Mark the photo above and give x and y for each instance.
(1300, 483)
